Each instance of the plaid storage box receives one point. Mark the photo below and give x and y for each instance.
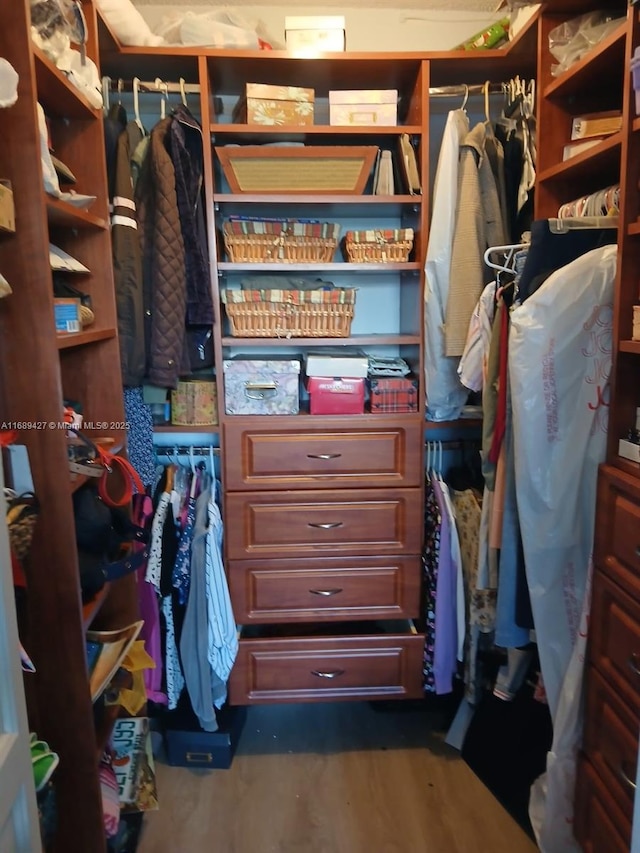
(393, 394)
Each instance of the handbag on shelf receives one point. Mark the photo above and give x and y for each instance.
(22, 515)
(109, 544)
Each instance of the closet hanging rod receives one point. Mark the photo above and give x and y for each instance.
(185, 450)
(117, 84)
(464, 89)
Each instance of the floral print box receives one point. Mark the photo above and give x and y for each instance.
(275, 105)
(261, 386)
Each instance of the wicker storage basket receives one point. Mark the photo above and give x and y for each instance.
(286, 241)
(290, 313)
(378, 246)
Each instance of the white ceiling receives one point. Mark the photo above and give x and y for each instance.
(451, 5)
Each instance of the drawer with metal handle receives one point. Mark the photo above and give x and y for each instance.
(331, 523)
(325, 589)
(611, 739)
(614, 638)
(261, 456)
(356, 661)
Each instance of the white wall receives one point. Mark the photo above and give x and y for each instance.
(376, 29)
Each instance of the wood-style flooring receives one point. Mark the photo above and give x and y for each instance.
(332, 778)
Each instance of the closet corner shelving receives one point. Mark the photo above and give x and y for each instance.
(38, 369)
(601, 80)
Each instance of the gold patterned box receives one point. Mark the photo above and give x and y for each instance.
(275, 105)
(194, 403)
(635, 334)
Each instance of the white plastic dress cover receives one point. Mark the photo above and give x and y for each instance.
(559, 367)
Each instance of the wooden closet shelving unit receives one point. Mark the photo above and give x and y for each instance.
(601, 80)
(38, 369)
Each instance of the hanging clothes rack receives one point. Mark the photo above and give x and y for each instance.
(464, 89)
(185, 450)
(118, 84)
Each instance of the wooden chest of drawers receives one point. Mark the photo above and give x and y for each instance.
(323, 537)
(607, 769)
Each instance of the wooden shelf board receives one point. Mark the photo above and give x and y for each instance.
(586, 162)
(302, 199)
(629, 346)
(78, 339)
(296, 133)
(58, 96)
(627, 465)
(60, 212)
(353, 340)
(172, 428)
(346, 267)
(591, 67)
(633, 228)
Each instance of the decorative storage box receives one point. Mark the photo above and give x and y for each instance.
(194, 403)
(261, 386)
(330, 396)
(314, 33)
(378, 246)
(364, 107)
(290, 313)
(389, 395)
(275, 105)
(279, 241)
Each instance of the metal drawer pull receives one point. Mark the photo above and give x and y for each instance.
(627, 779)
(634, 662)
(327, 525)
(325, 591)
(260, 390)
(325, 456)
(199, 757)
(334, 674)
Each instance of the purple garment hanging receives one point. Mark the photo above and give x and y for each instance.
(446, 633)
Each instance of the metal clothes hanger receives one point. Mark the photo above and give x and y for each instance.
(183, 93)
(509, 255)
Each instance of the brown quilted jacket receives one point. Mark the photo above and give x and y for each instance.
(165, 289)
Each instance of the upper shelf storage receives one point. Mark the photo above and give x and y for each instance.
(59, 97)
(601, 68)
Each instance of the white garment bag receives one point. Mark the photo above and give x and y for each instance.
(559, 366)
(445, 393)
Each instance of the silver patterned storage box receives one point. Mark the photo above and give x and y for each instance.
(261, 386)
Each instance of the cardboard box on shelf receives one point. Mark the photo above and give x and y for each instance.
(194, 403)
(332, 362)
(254, 386)
(331, 396)
(363, 107)
(315, 33)
(269, 105)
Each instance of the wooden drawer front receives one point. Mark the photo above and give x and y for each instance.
(332, 668)
(614, 642)
(617, 539)
(325, 589)
(323, 459)
(626, 532)
(599, 825)
(288, 524)
(611, 740)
